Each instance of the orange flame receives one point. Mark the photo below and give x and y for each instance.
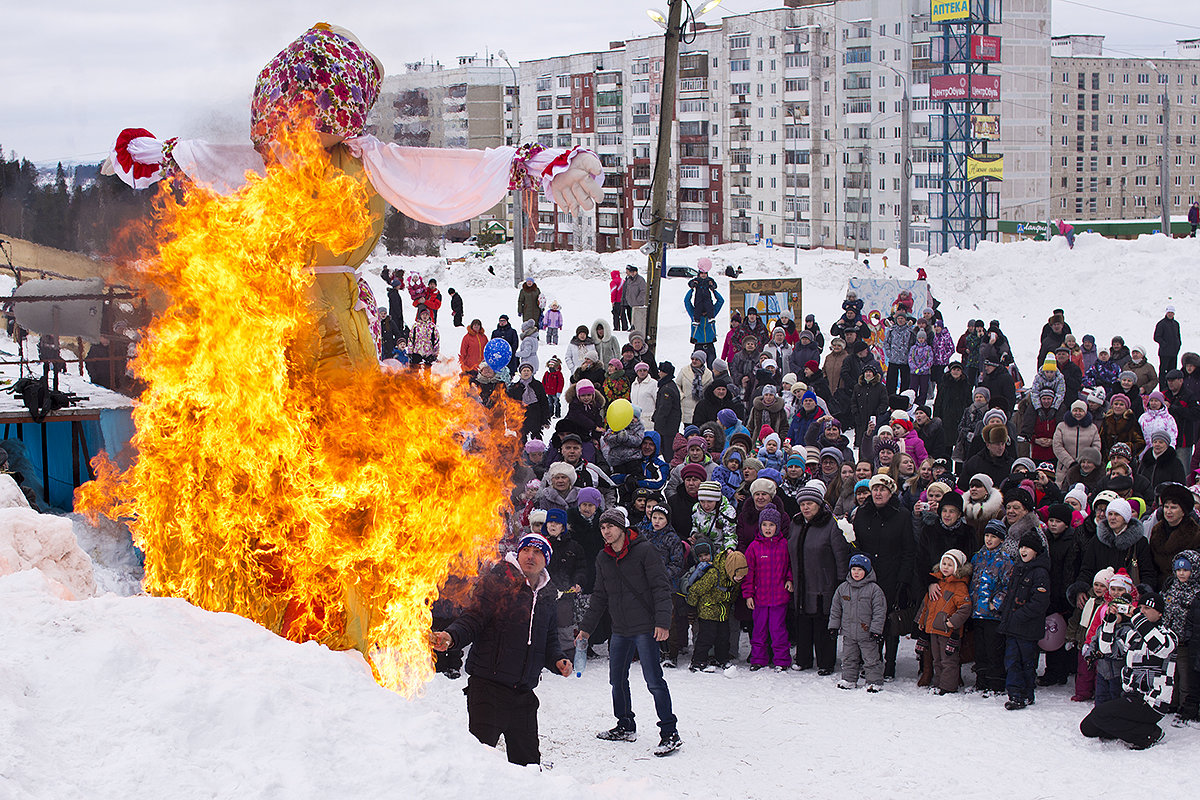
(323, 509)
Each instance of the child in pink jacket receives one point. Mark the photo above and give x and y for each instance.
(768, 589)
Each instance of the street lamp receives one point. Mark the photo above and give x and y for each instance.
(518, 203)
(1164, 172)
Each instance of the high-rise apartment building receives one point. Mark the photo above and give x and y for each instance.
(1107, 130)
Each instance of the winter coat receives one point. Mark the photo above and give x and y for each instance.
(885, 534)
(512, 627)
(1144, 649)
(704, 329)
(470, 352)
(991, 572)
(801, 355)
(1147, 376)
(668, 413)
(953, 397)
(553, 319)
(1129, 550)
(573, 358)
(943, 347)
(769, 413)
(425, 341)
(527, 351)
(718, 526)
(616, 386)
(868, 400)
(920, 359)
(769, 570)
(670, 547)
(747, 520)
(745, 329)
(911, 443)
(859, 609)
(607, 348)
(634, 291)
(1122, 428)
(897, 342)
(935, 539)
(819, 555)
(1064, 566)
(527, 302)
(781, 354)
(933, 436)
(711, 594)
(1180, 597)
(625, 445)
(1054, 382)
(1184, 406)
(1167, 542)
(1002, 387)
(655, 471)
(1023, 614)
(801, 422)
(706, 410)
(1166, 334)
(1103, 373)
(729, 479)
(681, 505)
(569, 564)
(1161, 469)
(1158, 420)
(1014, 532)
(633, 587)
(687, 401)
(537, 414)
(642, 393)
(614, 287)
(947, 615)
(1071, 438)
(833, 369)
(995, 467)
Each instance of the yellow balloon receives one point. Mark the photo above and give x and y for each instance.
(620, 414)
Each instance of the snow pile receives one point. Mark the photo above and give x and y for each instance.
(150, 697)
(44, 542)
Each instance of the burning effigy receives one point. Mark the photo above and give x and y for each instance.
(281, 474)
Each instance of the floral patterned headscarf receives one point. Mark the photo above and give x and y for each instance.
(327, 70)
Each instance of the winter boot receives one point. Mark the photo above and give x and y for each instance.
(669, 743)
(617, 734)
(926, 676)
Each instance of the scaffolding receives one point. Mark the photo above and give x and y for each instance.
(961, 209)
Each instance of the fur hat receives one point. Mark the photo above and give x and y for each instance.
(693, 470)
(709, 490)
(538, 541)
(560, 468)
(813, 491)
(1091, 454)
(1178, 494)
(762, 485)
(1019, 495)
(995, 433)
(537, 516)
(1033, 542)
(952, 499)
(615, 516)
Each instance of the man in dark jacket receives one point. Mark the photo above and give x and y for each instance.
(868, 400)
(953, 397)
(513, 624)
(1185, 408)
(1072, 375)
(509, 334)
(1166, 333)
(668, 411)
(931, 433)
(995, 460)
(456, 307)
(997, 380)
(883, 531)
(632, 585)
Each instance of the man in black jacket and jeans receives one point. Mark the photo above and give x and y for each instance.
(514, 625)
(632, 585)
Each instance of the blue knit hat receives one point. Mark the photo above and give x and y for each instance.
(863, 484)
(860, 560)
(557, 515)
(538, 541)
(727, 417)
(771, 474)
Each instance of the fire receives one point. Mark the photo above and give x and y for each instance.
(323, 508)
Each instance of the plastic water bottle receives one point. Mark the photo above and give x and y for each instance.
(581, 648)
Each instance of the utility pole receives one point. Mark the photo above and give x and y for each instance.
(1164, 170)
(662, 166)
(905, 174)
(518, 200)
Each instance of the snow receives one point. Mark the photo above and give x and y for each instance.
(123, 695)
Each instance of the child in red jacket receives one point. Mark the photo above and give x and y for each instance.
(552, 382)
(767, 589)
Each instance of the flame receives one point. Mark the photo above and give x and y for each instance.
(327, 509)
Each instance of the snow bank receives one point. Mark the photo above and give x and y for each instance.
(150, 697)
(29, 540)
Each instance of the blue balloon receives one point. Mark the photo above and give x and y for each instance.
(497, 354)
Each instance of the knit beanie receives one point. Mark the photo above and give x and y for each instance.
(813, 491)
(1033, 542)
(538, 541)
(535, 446)
(727, 417)
(1121, 579)
(862, 485)
(585, 386)
(693, 470)
(884, 481)
(1120, 506)
(957, 556)
(615, 516)
(558, 515)
(752, 463)
(771, 474)
(984, 480)
(862, 561)
(996, 528)
(709, 490)
(834, 453)
(1050, 364)
(697, 441)
(770, 514)
(1061, 512)
(1080, 494)
(1160, 436)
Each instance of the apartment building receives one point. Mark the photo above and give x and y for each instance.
(1107, 130)
(464, 105)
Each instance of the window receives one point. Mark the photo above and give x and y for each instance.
(858, 55)
(739, 41)
(739, 65)
(543, 83)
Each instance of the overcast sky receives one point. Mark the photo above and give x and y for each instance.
(75, 71)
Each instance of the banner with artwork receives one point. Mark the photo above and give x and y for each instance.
(769, 296)
(881, 297)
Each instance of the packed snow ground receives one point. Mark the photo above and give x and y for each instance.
(120, 696)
